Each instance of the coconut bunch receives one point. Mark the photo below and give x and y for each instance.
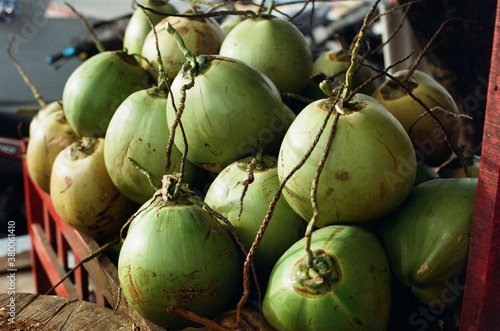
(242, 212)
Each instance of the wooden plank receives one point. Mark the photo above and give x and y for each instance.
(482, 287)
(60, 313)
(53, 268)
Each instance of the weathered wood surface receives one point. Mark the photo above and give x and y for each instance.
(62, 313)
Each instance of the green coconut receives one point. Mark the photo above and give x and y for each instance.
(347, 285)
(97, 87)
(427, 238)
(138, 26)
(285, 227)
(230, 107)
(138, 130)
(273, 46)
(430, 145)
(334, 65)
(201, 36)
(369, 171)
(177, 254)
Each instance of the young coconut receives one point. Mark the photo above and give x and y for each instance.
(368, 160)
(369, 172)
(427, 238)
(138, 132)
(43, 112)
(48, 138)
(225, 194)
(430, 145)
(82, 193)
(138, 26)
(177, 254)
(97, 87)
(201, 36)
(334, 65)
(273, 46)
(344, 285)
(226, 107)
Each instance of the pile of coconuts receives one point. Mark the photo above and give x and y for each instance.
(235, 212)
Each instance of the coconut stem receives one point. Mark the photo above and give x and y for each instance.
(238, 242)
(187, 53)
(195, 318)
(270, 8)
(144, 172)
(99, 45)
(426, 48)
(352, 68)
(34, 89)
(161, 81)
(267, 218)
(177, 120)
(314, 188)
(445, 134)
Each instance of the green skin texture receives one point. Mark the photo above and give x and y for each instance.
(427, 238)
(369, 172)
(285, 227)
(139, 130)
(335, 63)
(82, 193)
(97, 87)
(273, 46)
(229, 108)
(139, 26)
(361, 300)
(178, 255)
(51, 135)
(199, 36)
(407, 110)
